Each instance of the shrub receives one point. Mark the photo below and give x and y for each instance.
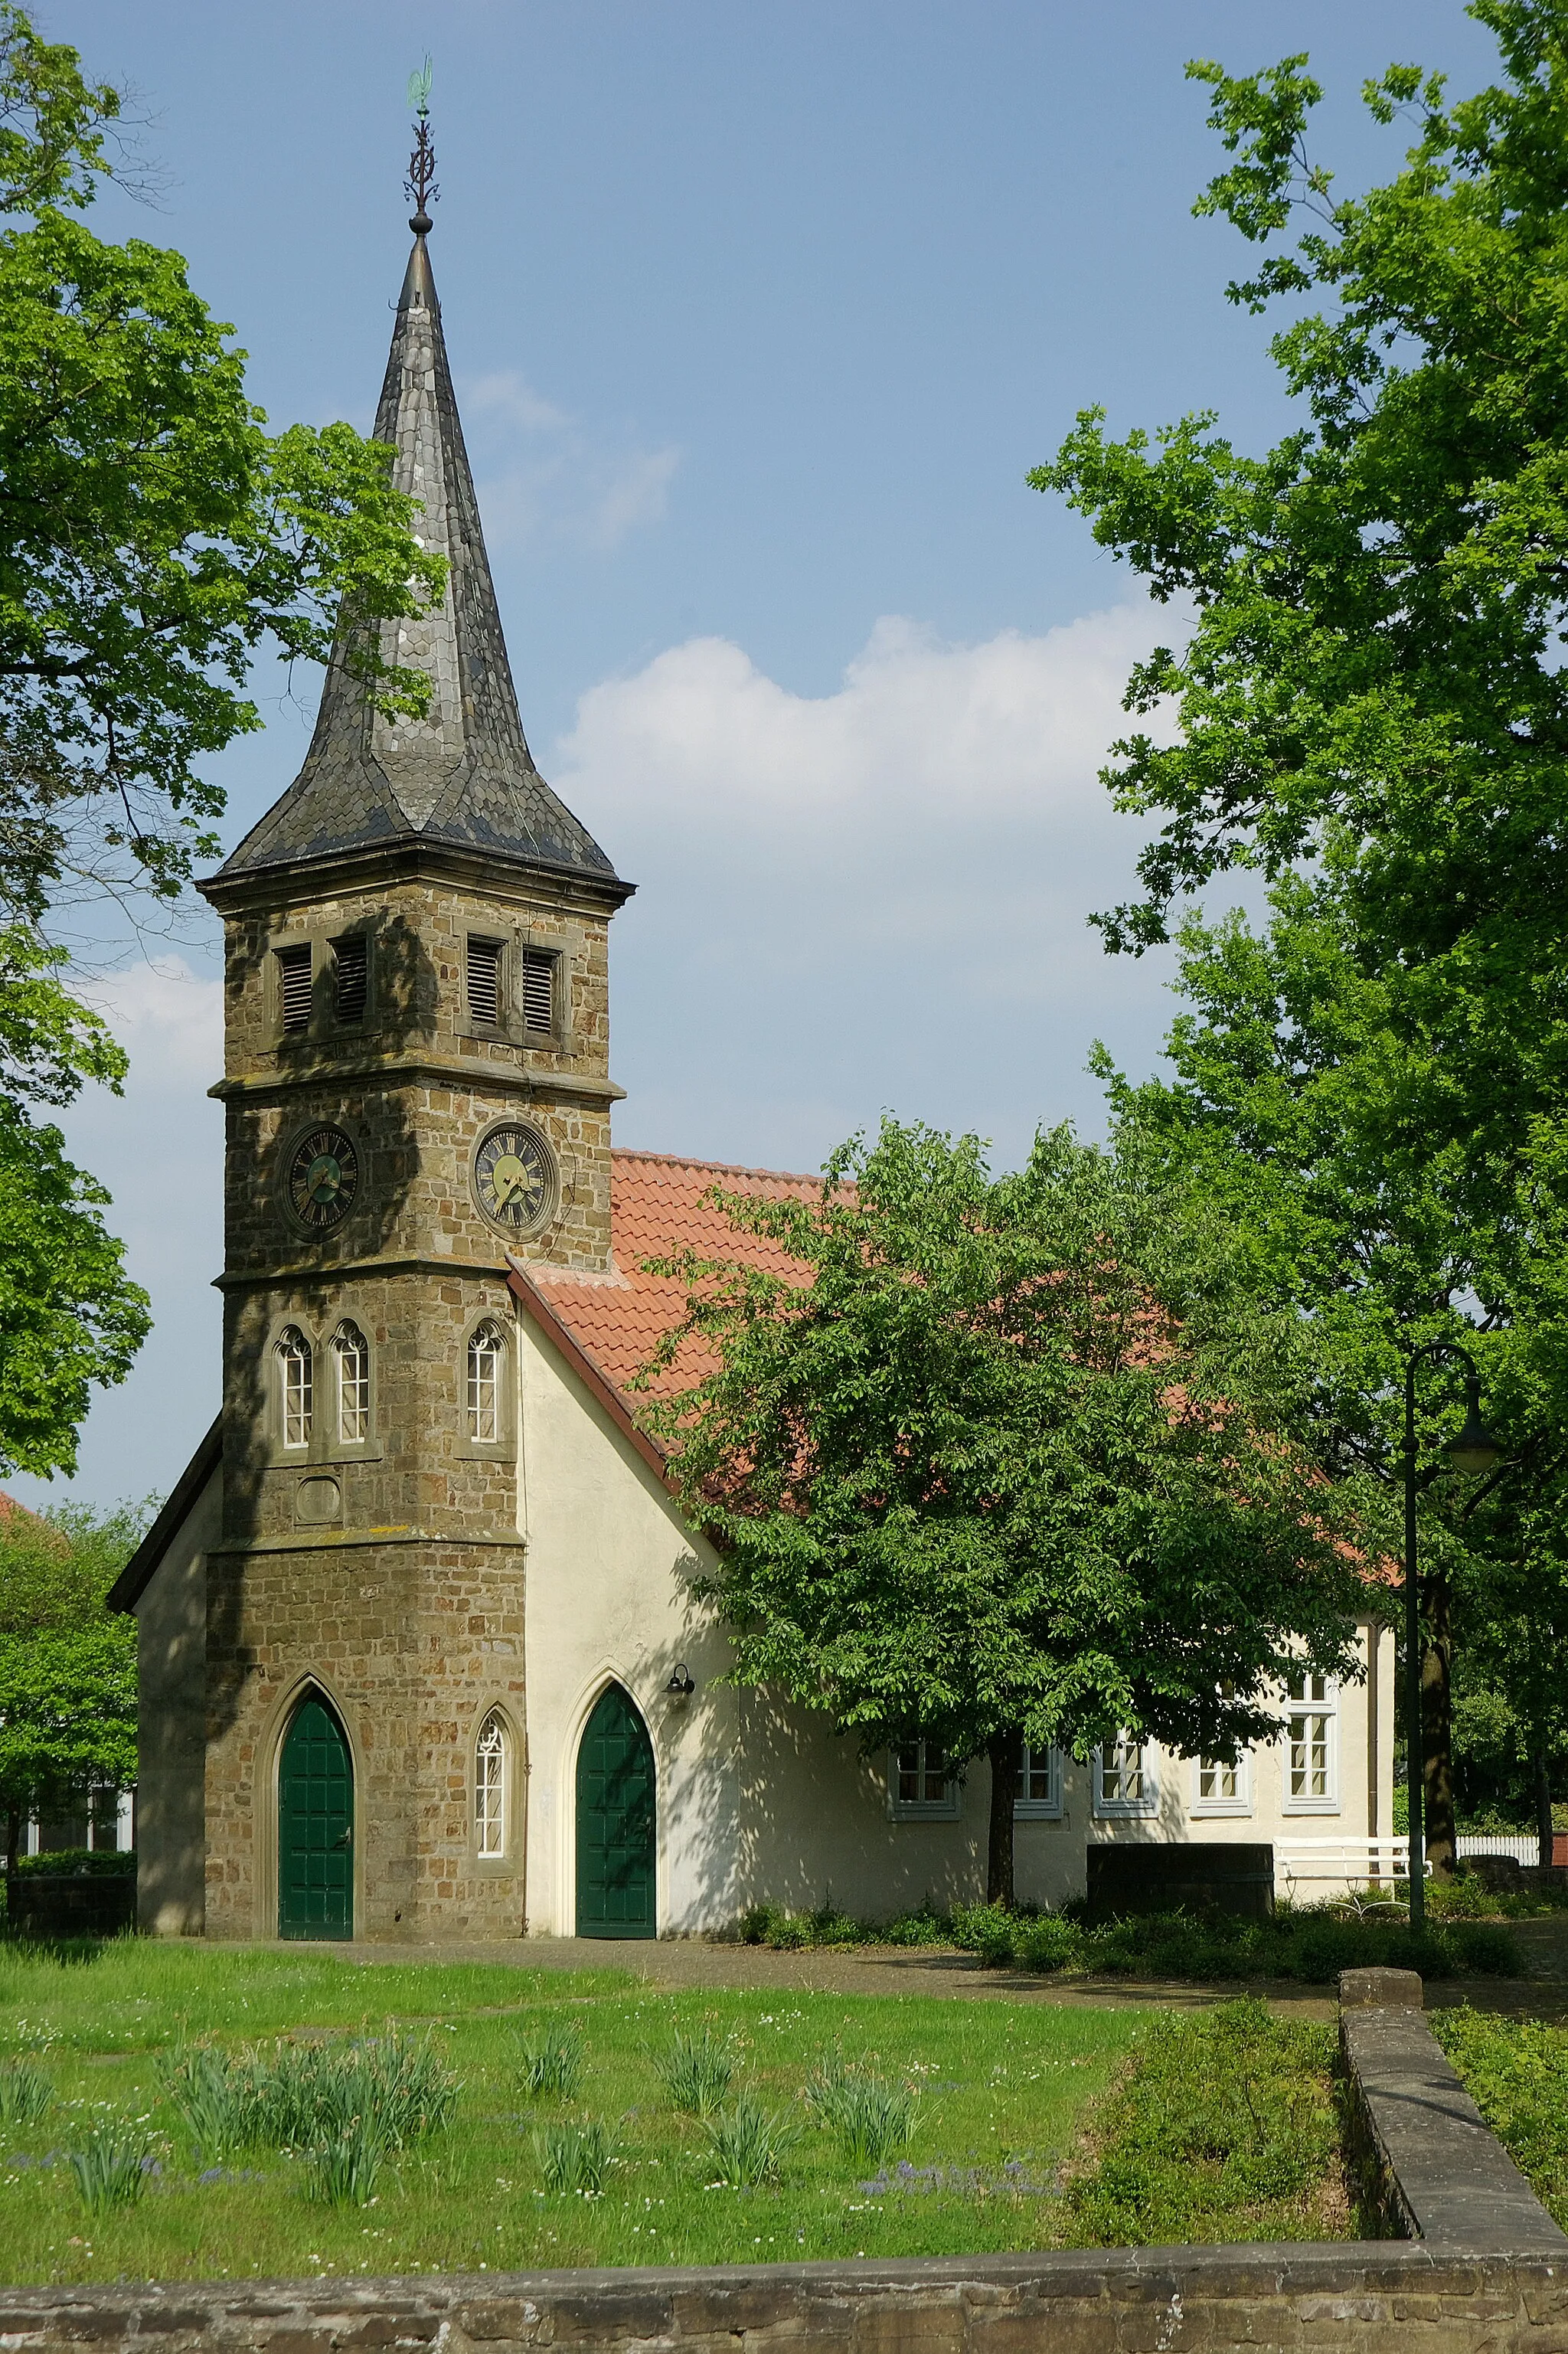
(748, 2144)
(1227, 2128)
(25, 2093)
(78, 1863)
(576, 2158)
(695, 2071)
(111, 2171)
(1049, 1944)
(989, 1930)
(925, 1928)
(870, 2119)
(550, 2060)
(776, 1926)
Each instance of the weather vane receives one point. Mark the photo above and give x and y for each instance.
(420, 185)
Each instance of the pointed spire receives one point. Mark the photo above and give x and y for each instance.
(463, 775)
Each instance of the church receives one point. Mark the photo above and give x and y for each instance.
(418, 1654)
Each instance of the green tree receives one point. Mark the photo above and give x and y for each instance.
(1279, 1113)
(1372, 693)
(69, 1316)
(154, 538)
(1017, 1463)
(67, 1667)
(1374, 683)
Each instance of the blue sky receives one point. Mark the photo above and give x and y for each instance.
(758, 315)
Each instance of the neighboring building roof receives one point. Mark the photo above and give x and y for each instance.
(658, 1209)
(133, 1579)
(10, 1509)
(464, 776)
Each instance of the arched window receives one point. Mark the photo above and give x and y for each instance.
(486, 1361)
(490, 1787)
(351, 1352)
(294, 1387)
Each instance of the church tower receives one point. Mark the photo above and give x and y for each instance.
(416, 1087)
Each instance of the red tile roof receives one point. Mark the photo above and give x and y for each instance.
(657, 1209)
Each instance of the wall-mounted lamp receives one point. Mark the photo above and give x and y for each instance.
(680, 1686)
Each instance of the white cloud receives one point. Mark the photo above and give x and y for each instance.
(875, 896)
(545, 477)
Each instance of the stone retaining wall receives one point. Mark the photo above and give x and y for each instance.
(1357, 2299)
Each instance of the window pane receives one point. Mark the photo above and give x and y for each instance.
(1310, 1775)
(485, 1385)
(490, 1789)
(352, 1352)
(296, 1385)
(909, 1772)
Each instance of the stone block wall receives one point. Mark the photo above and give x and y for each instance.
(1354, 2299)
(413, 1641)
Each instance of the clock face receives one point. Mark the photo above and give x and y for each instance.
(323, 1177)
(514, 1177)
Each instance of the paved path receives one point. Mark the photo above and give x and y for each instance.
(692, 1962)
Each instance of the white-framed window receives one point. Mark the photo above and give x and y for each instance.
(351, 1356)
(1311, 1745)
(1125, 1782)
(922, 1782)
(490, 1787)
(1039, 1796)
(294, 1387)
(1222, 1789)
(486, 1363)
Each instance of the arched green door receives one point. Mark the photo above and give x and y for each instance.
(615, 1821)
(315, 1826)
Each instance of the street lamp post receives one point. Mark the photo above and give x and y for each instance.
(1474, 1450)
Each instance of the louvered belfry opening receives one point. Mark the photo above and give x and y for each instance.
(538, 989)
(485, 979)
(352, 976)
(294, 985)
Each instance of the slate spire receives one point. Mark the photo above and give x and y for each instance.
(463, 775)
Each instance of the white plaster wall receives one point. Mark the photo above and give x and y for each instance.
(171, 1727)
(761, 1801)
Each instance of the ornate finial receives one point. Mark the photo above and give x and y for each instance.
(420, 185)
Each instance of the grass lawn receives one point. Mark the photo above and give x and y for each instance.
(1516, 2071)
(998, 2091)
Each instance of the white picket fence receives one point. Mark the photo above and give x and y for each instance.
(1525, 1845)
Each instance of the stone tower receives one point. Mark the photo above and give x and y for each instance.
(415, 1084)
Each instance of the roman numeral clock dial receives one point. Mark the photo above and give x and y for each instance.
(514, 1177)
(323, 1178)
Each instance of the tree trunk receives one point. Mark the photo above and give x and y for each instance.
(1005, 1751)
(1543, 1826)
(1437, 1732)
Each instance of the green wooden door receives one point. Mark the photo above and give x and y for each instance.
(615, 1821)
(315, 1827)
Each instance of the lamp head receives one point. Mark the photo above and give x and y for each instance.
(1474, 1448)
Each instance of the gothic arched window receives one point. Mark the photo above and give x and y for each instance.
(490, 1787)
(294, 1387)
(486, 1367)
(351, 1352)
